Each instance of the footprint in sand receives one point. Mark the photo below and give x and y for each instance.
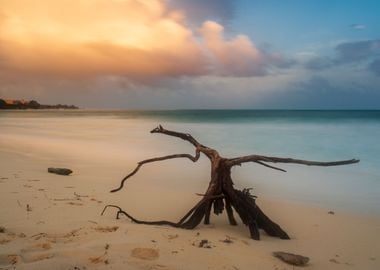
(75, 203)
(97, 260)
(103, 258)
(77, 268)
(58, 238)
(145, 253)
(37, 247)
(172, 236)
(36, 253)
(35, 257)
(106, 229)
(95, 200)
(7, 259)
(4, 241)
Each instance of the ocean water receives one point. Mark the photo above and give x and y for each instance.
(119, 137)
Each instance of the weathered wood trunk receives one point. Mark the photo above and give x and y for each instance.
(221, 193)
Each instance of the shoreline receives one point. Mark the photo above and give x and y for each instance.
(63, 228)
(263, 191)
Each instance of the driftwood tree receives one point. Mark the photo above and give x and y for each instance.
(221, 193)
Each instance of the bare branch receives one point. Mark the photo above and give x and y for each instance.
(260, 159)
(121, 211)
(189, 221)
(183, 136)
(209, 152)
(269, 166)
(194, 159)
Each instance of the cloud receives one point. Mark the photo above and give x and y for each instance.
(237, 56)
(280, 61)
(143, 40)
(320, 92)
(128, 53)
(133, 38)
(198, 11)
(356, 51)
(357, 26)
(374, 66)
(318, 63)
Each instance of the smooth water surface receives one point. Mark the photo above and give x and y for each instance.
(112, 136)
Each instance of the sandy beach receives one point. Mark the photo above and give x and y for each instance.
(260, 113)
(54, 222)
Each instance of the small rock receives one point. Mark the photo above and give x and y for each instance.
(204, 244)
(290, 258)
(331, 212)
(60, 171)
(2, 229)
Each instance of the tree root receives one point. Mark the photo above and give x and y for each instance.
(243, 202)
(221, 194)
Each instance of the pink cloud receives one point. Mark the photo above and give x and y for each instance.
(235, 57)
(142, 40)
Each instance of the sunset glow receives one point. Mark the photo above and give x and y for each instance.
(192, 49)
(134, 38)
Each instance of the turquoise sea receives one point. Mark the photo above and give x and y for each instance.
(119, 136)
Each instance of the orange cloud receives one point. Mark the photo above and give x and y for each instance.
(96, 37)
(237, 56)
(133, 38)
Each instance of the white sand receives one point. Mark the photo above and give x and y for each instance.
(64, 229)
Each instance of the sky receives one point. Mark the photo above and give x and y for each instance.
(192, 54)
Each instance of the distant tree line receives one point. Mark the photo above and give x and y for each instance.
(32, 104)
